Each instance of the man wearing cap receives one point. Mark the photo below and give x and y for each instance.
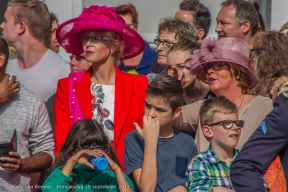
(36, 67)
(268, 141)
(237, 18)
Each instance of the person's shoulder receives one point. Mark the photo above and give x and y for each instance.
(261, 99)
(56, 59)
(132, 135)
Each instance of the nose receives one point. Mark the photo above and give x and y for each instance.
(218, 28)
(152, 113)
(2, 25)
(160, 47)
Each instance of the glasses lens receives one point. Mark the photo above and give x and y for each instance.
(156, 41)
(228, 124)
(166, 44)
(217, 66)
(239, 123)
(71, 57)
(206, 67)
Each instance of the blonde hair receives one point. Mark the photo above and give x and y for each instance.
(34, 13)
(215, 105)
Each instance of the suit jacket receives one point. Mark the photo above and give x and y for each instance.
(130, 95)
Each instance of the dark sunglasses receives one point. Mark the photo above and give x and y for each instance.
(90, 148)
(228, 124)
(76, 58)
(215, 66)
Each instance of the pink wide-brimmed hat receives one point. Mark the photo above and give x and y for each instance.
(229, 49)
(98, 18)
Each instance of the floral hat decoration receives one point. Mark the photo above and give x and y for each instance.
(229, 49)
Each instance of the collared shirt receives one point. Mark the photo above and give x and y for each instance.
(206, 171)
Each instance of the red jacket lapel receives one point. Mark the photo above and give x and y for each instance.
(123, 94)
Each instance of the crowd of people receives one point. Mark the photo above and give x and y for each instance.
(198, 114)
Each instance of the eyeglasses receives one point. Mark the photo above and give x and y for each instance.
(215, 66)
(228, 124)
(254, 50)
(166, 44)
(76, 58)
(93, 39)
(90, 148)
(180, 66)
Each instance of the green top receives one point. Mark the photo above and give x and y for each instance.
(87, 180)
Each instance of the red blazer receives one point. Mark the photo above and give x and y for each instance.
(130, 95)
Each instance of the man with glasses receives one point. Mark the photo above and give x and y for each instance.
(209, 170)
(237, 18)
(170, 31)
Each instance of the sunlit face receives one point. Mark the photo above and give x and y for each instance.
(9, 29)
(157, 107)
(129, 21)
(165, 35)
(227, 25)
(226, 138)
(221, 81)
(98, 51)
(78, 64)
(180, 59)
(184, 16)
(54, 45)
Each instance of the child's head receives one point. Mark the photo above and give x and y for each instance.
(219, 122)
(164, 99)
(85, 134)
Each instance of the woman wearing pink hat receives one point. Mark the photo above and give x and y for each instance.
(104, 93)
(224, 65)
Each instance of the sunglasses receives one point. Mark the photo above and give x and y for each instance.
(228, 124)
(90, 148)
(77, 58)
(215, 66)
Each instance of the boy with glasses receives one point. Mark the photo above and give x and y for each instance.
(209, 171)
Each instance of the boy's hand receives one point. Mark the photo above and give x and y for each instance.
(151, 129)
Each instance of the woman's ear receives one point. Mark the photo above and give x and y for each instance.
(207, 132)
(115, 46)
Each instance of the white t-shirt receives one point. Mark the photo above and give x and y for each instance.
(43, 77)
(103, 98)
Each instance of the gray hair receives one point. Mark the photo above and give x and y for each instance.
(181, 28)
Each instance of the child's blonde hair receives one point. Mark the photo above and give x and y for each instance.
(215, 105)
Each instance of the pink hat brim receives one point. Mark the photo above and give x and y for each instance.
(199, 72)
(68, 35)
